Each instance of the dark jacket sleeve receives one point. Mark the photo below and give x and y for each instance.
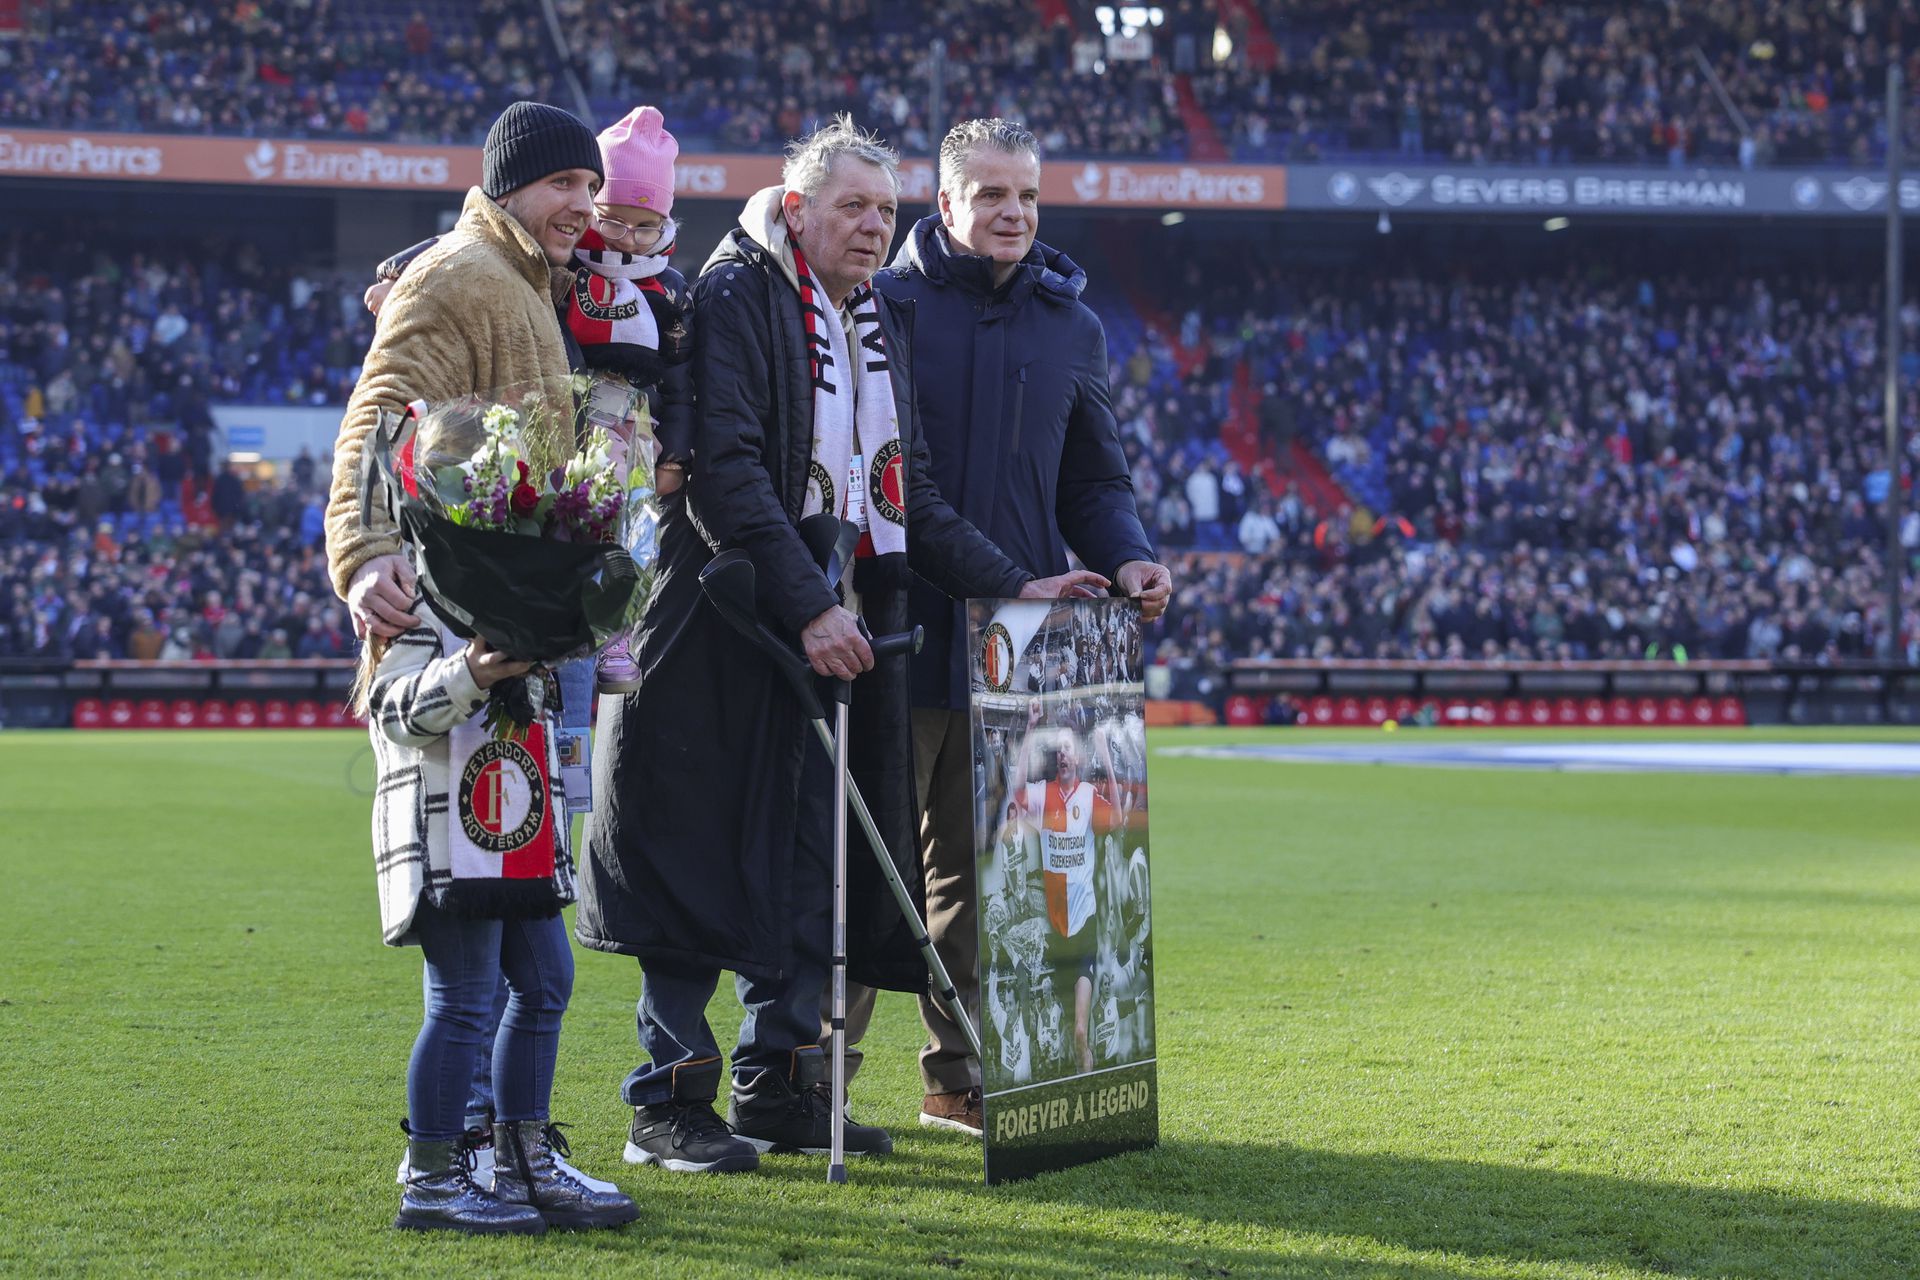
(942, 546)
(673, 414)
(672, 402)
(396, 266)
(730, 485)
(1096, 510)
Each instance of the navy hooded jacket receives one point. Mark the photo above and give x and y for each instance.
(1011, 384)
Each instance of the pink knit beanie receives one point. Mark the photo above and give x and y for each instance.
(638, 154)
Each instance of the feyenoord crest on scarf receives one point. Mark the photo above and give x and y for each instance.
(501, 844)
(610, 314)
(857, 471)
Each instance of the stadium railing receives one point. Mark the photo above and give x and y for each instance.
(297, 693)
(1363, 692)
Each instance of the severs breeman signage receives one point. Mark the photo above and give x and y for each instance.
(1599, 189)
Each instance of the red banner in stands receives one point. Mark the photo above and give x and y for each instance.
(390, 166)
(1511, 713)
(211, 713)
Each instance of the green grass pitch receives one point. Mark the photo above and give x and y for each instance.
(1413, 1024)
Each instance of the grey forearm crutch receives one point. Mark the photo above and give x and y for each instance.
(728, 581)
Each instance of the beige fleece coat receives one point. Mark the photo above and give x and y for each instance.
(473, 314)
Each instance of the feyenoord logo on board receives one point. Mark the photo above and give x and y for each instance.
(502, 808)
(886, 483)
(996, 655)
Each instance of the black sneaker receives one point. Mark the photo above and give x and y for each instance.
(684, 1134)
(793, 1114)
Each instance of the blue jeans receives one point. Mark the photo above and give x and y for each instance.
(780, 1015)
(480, 1096)
(466, 960)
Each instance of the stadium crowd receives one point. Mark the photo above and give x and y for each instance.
(277, 68)
(1566, 466)
(1652, 81)
(1649, 81)
(1531, 467)
(123, 533)
(252, 583)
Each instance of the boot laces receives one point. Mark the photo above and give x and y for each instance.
(693, 1121)
(464, 1159)
(814, 1100)
(467, 1158)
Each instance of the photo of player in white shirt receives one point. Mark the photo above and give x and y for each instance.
(1060, 790)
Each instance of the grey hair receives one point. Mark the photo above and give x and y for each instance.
(810, 160)
(957, 147)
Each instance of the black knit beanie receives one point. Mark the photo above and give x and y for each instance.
(531, 140)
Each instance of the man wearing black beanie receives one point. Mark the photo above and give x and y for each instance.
(473, 314)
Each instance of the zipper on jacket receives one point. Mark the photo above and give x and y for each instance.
(1019, 400)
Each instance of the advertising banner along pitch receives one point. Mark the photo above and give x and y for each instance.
(1060, 849)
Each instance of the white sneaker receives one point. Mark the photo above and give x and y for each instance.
(591, 1183)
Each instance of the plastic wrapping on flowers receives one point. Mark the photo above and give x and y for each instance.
(567, 462)
(615, 409)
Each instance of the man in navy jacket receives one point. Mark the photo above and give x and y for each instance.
(1010, 373)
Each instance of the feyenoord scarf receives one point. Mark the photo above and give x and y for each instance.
(502, 851)
(853, 416)
(609, 314)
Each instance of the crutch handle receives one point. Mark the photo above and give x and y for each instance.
(894, 645)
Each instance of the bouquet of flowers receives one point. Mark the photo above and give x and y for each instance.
(520, 508)
(508, 484)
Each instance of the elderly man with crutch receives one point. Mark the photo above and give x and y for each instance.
(713, 846)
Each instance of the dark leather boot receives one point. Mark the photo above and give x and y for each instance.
(440, 1195)
(782, 1114)
(524, 1173)
(684, 1134)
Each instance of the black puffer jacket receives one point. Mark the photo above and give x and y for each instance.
(697, 773)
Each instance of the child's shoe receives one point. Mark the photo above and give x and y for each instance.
(615, 670)
(479, 1143)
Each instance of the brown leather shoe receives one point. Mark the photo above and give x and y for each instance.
(959, 1111)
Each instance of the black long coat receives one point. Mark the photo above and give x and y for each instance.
(696, 775)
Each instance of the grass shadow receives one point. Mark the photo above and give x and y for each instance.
(1501, 1212)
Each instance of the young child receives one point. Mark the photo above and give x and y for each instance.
(629, 310)
(471, 849)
